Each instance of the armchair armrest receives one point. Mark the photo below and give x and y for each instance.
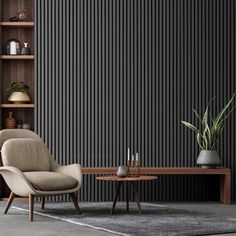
(73, 170)
(16, 181)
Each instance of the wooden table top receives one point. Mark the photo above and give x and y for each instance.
(160, 170)
(131, 178)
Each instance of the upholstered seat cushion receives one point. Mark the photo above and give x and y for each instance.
(50, 181)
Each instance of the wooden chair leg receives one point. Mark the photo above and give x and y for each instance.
(9, 202)
(74, 200)
(42, 202)
(31, 207)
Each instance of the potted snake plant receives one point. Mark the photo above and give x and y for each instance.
(18, 92)
(208, 132)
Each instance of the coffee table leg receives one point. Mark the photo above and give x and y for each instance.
(116, 197)
(127, 196)
(136, 194)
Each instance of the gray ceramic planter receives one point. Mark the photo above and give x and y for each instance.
(208, 159)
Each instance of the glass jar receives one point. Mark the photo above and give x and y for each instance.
(13, 47)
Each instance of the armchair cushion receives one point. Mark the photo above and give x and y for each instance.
(50, 181)
(26, 155)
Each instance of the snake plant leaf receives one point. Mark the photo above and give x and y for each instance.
(198, 116)
(190, 126)
(200, 140)
(226, 116)
(205, 116)
(207, 137)
(226, 107)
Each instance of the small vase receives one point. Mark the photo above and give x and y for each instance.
(25, 50)
(10, 122)
(121, 172)
(26, 126)
(208, 159)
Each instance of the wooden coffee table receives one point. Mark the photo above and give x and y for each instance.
(133, 180)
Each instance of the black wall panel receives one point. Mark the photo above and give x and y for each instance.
(113, 74)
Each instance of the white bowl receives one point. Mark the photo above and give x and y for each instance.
(18, 97)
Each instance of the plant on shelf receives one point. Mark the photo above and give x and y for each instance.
(209, 132)
(19, 92)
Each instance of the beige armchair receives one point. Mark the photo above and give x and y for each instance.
(29, 169)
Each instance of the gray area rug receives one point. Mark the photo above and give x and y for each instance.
(155, 219)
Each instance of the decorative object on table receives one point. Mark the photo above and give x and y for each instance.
(12, 47)
(128, 163)
(10, 122)
(19, 124)
(21, 16)
(121, 172)
(25, 49)
(208, 159)
(208, 134)
(26, 126)
(134, 162)
(137, 165)
(19, 92)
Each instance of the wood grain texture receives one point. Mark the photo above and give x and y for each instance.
(31, 207)
(160, 170)
(126, 179)
(17, 105)
(17, 57)
(17, 24)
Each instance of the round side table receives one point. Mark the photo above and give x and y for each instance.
(133, 180)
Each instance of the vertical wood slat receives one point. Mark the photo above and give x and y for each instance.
(113, 74)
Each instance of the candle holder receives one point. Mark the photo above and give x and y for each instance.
(135, 163)
(137, 168)
(128, 168)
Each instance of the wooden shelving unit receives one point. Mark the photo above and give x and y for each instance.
(16, 67)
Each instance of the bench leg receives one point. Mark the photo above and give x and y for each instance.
(225, 189)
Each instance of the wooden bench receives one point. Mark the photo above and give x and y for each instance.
(224, 173)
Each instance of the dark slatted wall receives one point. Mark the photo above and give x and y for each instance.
(113, 74)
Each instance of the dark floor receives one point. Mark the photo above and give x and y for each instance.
(16, 223)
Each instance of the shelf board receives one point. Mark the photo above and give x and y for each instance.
(17, 57)
(17, 24)
(17, 105)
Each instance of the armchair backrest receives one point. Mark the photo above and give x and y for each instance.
(6, 134)
(26, 154)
